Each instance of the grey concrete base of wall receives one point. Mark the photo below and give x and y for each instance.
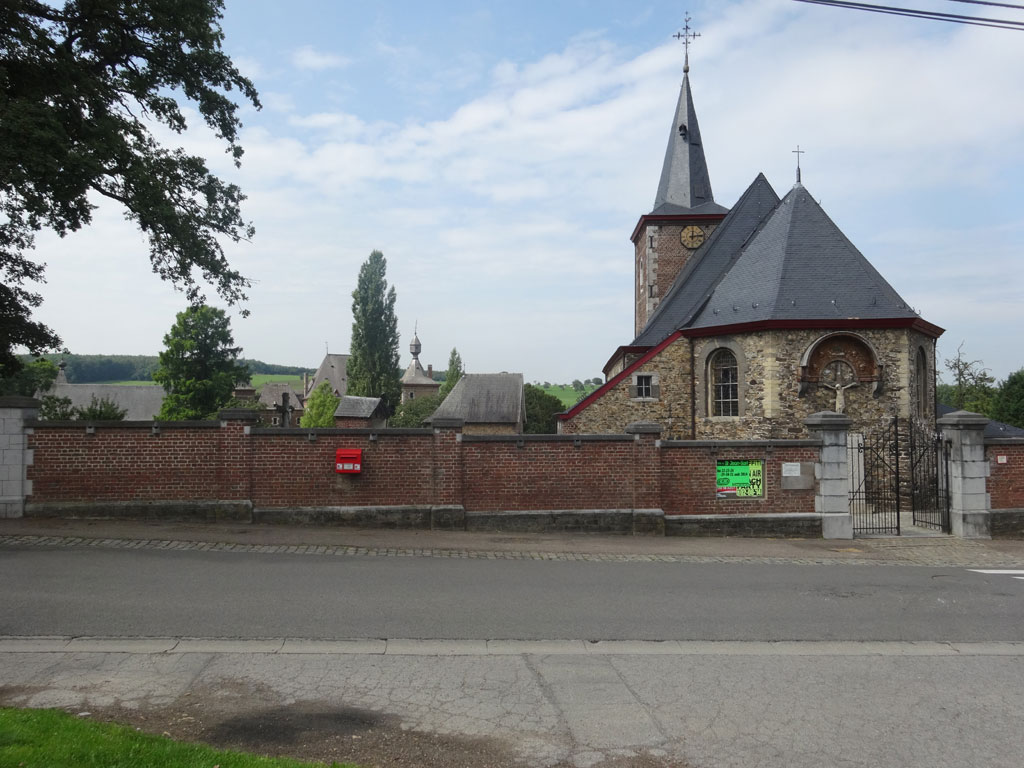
(409, 517)
(639, 522)
(806, 526)
(970, 525)
(1007, 523)
(171, 511)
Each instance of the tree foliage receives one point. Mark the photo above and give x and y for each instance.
(412, 413)
(1008, 404)
(54, 408)
(199, 366)
(82, 85)
(972, 388)
(101, 409)
(373, 356)
(453, 374)
(541, 409)
(320, 407)
(36, 377)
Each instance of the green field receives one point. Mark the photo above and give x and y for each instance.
(54, 739)
(258, 380)
(567, 394)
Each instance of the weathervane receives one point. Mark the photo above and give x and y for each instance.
(798, 152)
(686, 37)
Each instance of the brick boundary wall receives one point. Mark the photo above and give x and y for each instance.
(1006, 486)
(437, 477)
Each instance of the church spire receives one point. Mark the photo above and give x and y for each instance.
(685, 183)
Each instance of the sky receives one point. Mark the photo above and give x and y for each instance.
(500, 155)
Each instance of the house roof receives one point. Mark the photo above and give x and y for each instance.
(353, 407)
(142, 402)
(332, 369)
(485, 398)
(415, 375)
(685, 186)
(271, 392)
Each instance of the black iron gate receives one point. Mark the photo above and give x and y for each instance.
(929, 478)
(874, 469)
(893, 471)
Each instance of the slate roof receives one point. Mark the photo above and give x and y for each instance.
(485, 398)
(270, 394)
(685, 186)
(800, 266)
(142, 401)
(416, 376)
(352, 407)
(332, 369)
(696, 281)
(992, 429)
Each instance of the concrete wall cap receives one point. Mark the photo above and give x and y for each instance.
(827, 420)
(643, 428)
(963, 420)
(18, 401)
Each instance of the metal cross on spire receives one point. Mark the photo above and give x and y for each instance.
(798, 152)
(686, 37)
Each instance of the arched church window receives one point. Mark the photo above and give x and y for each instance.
(921, 383)
(724, 379)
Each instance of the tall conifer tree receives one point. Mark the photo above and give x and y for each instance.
(373, 361)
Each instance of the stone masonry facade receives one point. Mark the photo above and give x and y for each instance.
(771, 403)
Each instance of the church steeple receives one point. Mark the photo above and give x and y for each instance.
(685, 185)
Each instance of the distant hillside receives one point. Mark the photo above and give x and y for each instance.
(89, 369)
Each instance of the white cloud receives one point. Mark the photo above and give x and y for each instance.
(308, 57)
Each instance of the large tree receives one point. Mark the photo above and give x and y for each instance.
(199, 366)
(82, 86)
(454, 373)
(1009, 400)
(972, 388)
(373, 356)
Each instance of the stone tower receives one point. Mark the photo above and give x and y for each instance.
(415, 381)
(684, 215)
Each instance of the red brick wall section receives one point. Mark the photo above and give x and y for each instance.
(501, 476)
(127, 464)
(688, 480)
(1006, 480)
(292, 471)
(189, 463)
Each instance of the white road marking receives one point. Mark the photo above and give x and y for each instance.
(997, 572)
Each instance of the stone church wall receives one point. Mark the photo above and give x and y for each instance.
(615, 409)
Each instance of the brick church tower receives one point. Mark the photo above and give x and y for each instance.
(685, 212)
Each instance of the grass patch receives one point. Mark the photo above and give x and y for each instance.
(48, 738)
(258, 380)
(567, 394)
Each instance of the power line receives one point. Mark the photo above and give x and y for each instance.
(953, 18)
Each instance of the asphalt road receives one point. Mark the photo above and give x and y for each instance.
(114, 593)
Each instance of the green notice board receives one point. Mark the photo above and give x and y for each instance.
(739, 478)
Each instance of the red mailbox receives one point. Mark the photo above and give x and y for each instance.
(348, 460)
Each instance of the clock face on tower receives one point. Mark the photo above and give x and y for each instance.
(692, 237)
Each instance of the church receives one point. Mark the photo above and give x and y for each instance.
(751, 318)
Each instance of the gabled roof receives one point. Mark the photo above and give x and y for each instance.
(485, 398)
(800, 266)
(685, 186)
(271, 392)
(332, 369)
(352, 407)
(696, 281)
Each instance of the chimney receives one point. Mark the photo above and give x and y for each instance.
(430, 370)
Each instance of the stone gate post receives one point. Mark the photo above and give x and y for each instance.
(832, 498)
(969, 504)
(15, 455)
